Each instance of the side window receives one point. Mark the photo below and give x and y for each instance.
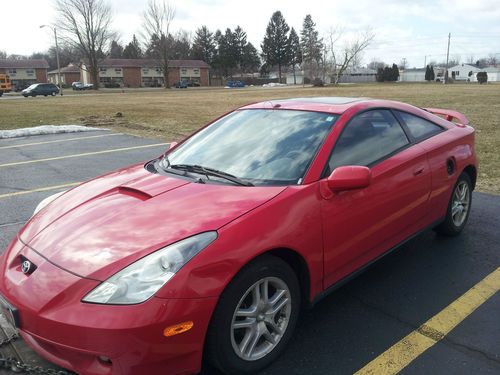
(418, 127)
(368, 137)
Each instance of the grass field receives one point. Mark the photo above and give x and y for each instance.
(172, 114)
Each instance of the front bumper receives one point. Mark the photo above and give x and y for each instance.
(80, 336)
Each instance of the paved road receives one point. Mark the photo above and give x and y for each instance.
(347, 329)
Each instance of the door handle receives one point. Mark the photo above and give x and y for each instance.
(418, 170)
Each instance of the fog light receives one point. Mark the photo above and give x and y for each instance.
(178, 328)
(104, 360)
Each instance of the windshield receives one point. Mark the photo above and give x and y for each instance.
(33, 86)
(263, 146)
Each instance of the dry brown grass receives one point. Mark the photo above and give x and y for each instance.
(171, 114)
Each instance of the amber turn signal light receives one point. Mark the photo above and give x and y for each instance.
(178, 328)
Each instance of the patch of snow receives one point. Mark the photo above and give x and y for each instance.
(46, 129)
(274, 84)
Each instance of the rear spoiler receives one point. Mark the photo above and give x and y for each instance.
(449, 115)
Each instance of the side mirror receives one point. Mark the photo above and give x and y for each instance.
(172, 145)
(349, 178)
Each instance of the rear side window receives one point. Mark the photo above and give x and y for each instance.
(368, 138)
(418, 127)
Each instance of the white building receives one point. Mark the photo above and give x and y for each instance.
(463, 72)
(493, 74)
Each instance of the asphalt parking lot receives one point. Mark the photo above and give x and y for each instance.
(356, 325)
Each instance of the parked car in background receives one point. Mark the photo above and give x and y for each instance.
(181, 85)
(20, 87)
(233, 84)
(44, 89)
(210, 250)
(112, 85)
(82, 86)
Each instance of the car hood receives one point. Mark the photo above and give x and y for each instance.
(101, 226)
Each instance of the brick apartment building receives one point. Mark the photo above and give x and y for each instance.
(146, 72)
(69, 74)
(24, 72)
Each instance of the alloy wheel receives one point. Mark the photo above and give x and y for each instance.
(460, 203)
(261, 318)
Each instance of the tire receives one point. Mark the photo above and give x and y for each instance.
(459, 206)
(272, 330)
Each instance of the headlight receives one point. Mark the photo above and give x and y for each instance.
(46, 202)
(139, 281)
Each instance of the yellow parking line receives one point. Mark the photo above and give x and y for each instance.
(80, 155)
(7, 195)
(435, 329)
(59, 141)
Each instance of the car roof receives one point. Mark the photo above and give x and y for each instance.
(330, 104)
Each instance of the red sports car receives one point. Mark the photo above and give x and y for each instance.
(210, 250)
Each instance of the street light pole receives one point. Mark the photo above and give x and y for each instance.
(57, 59)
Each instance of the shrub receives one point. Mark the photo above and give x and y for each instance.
(482, 77)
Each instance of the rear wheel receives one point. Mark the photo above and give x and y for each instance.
(255, 317)
(458, 207)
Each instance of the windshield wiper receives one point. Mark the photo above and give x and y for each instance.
(165, 165)
(211, 172)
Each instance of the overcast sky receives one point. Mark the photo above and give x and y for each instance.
(403, 29)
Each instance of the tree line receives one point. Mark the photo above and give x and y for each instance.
(86, 33)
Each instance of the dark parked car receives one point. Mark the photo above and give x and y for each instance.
(112, 85)
(44, 89)
(181, 85)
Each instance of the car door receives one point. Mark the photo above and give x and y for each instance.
(360, 225)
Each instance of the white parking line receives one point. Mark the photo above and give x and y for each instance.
(59, 141)
(47, 188)
(80, 155)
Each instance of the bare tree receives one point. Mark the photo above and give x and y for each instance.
(492, 59)
(158, 18)
(347, 56)
(86, 24)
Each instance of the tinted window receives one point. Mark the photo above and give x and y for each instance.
(418, 127)
(261, 146)
(368, 137)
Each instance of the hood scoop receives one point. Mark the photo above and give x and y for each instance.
(134, 193)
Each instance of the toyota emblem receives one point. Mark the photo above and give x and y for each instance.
(26, 267)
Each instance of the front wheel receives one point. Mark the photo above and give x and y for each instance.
(458, 207)
(255, 317)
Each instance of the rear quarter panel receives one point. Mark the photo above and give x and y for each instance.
(457, 144)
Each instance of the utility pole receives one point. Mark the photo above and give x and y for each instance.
(447, 59)
(57, 59)
(425, 60)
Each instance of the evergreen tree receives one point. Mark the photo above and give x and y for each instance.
(132, 50)
(225, 58)
(394, 73)
(311, 45)
(275, 47)
(181, 46)
(152, 48)
(427, 73)
(250, 60)
(115, 50)
(240, 41)
(295, 51)
(432, 75)
(380, 74)
(203, 45)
